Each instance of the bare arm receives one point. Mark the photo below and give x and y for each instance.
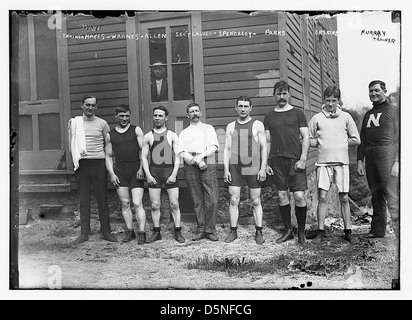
(139, 137)
(227, 152)
(145, 158)
(269, 170)
(108, 148)
(263, 151)
(301, 164)
(173, 176)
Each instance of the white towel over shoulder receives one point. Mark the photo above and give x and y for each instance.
(78, 140)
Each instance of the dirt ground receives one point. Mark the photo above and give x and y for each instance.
(47, 260)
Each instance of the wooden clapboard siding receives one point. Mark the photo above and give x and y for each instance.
(98, 66)
(239, 65)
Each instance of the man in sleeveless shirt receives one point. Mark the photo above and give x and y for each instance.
(245, 161)
(91, 170)
(161, 165)
(380, 149)
(124, 144)
(285, 125)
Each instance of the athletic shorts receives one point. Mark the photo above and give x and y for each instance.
(286, 177)
(127, 174)
(161, 174)
(240, 179)
(338, 174)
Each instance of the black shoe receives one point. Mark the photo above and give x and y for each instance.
(311, 234)
(288, 235)
(155, 237)
(178, 235)
(211, 236)
(141, 237)
(350, 237)
(130, 235)
(199, 236)
(301, 237)
(259, 237)
(82, 238)
(109, 237)
(320, 237)
(373, 236)
(232, 235)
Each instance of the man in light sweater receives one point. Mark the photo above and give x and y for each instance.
(332, 131)
(90, 170)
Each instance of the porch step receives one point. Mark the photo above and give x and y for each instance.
(45, 187)
(45, 180)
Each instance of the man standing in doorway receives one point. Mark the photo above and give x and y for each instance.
(245, 162)
(159, 90)
(124, 144)
(285, 125)
(160, 146)
(332, 131)
(197, 146)
(86, 140)
(380, 149)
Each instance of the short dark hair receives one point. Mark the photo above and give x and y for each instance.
(281, 85)
(122, 108)
(88, 97)
(163, 108)
(332, 91)
(193, 104)
(375, 82)
(244, 98)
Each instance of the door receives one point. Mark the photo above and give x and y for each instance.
(167, 73)
(40, 137)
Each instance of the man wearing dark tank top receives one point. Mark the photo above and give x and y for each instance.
(161, 165)
(245, 161)
(124, 144)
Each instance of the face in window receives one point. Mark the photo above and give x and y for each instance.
(158, 72)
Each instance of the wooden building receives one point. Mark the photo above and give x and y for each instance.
(210, 57)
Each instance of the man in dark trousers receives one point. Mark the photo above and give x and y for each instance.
(87, 146)
(197, 146)
(380, 149)
(285, 126)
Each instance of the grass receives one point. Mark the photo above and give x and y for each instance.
(237, 266)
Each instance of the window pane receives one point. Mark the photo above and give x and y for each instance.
(25, 133)
(181, 82)
(46, 59)
(49, 131)
(180, 44)
(157, 45)
(24, 70)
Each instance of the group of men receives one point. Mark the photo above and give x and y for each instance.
(254, 150)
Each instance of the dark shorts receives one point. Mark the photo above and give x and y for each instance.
(161, 174)
(127, 174)
(286, 177)
(241, 178)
